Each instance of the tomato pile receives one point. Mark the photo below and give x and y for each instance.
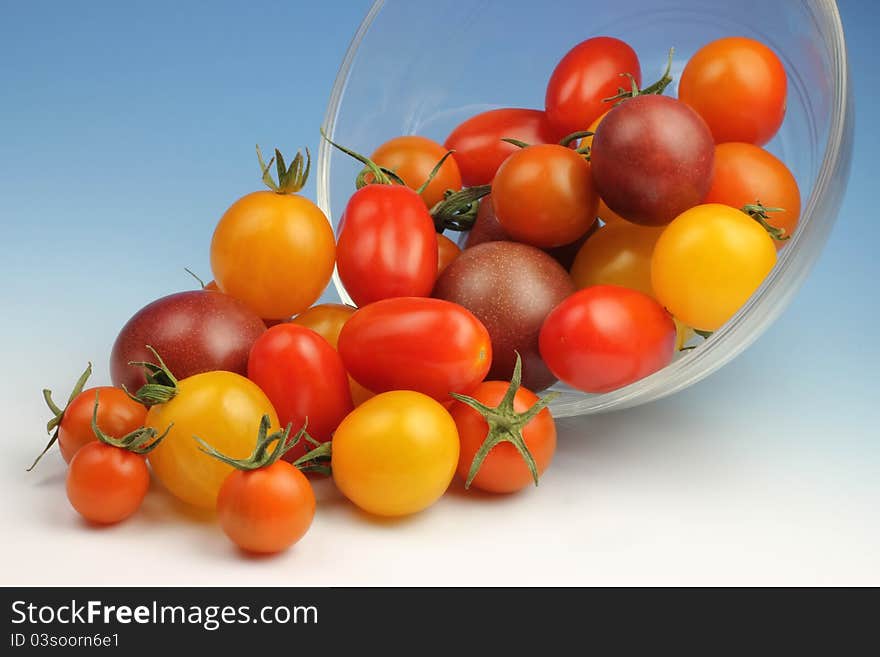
(586, 243)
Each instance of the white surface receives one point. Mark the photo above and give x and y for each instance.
(719, 485)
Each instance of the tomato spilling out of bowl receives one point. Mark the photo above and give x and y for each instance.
(586, 242)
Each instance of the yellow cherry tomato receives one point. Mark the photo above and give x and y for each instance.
(273, 251)
(396, 453)
(222, 408)
(327, 320)
(617, 254)
(708, 262)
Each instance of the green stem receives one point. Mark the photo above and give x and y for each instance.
(195, 276)
(52, 425)
(760, 213)
(519, 143)
(380, 177)
(139, 441)
(458, 210)
(434, 172)
(291, 179)
(657, 88)
(161, 386)
(262, 456)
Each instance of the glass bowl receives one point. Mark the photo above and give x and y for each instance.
(422, 68)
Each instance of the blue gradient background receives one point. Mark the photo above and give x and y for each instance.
(126, 130)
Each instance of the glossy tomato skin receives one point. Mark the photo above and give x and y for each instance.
(118, 415)
(617, 254)
(510, 288)
(413, 343)
(273, 251)
(266, 510)
(194, 331)
(387, 247)
(477, 143)
(413, 158)
(582, 80)
(605, 337)
(304, 378)
(652, 159)
(486, 228)
(738, 85)
(222, 408)
(447, 251)
(106, 484)
(708, 262)
(504, 470)
(327, 321)
(395, 454)
(544, 196)
(745, 173)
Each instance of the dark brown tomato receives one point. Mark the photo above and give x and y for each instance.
(486, 228)
(652, 159)
(194, 331)
(511, 288)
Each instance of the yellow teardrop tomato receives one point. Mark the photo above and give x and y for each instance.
(222, 408)
(327, 320)
(708, 262)
(617, 254)
(396, 453)
(273, 251)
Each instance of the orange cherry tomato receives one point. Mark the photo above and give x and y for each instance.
(118, 415)
(544, 195)
(266, 510)
(327, 320)
(738, 86)
(413, 158)
(447, 251)
(617, 254)
(106, 484)
(745, 173)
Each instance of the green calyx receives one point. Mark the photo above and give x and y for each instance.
(656, 89)
(760, 213)
(58, 413)
(505, 424)
(265, 454)
(458, 210)
(380, 175)
(161, 386)
(139, 441)
(291, 179)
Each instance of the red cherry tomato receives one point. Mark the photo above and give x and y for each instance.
(477, 143)
(503, 470)
(544, 196)
(582, 80)
(106, 484)
(605, 337)
(738, 86)
(428, 345)
(303, 376)
(388, 246)
(118, 415)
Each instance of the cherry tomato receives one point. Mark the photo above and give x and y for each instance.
(106, 484)
(619, 254)
(220, 407)
(266, 510)
(544, 196)
(477, 143)
(274, 250)
(447, 251)
(738, 86)
(708, 262)
(503, 470)
(388, 246)
(652, 159)
(304, 378)
(413, 158)
(327, 321)
(195, 331)
(582, 80)
(412, 343)
(745, 173)
(395, 454)
(605, 337)
(609, 216)
(117, 415)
